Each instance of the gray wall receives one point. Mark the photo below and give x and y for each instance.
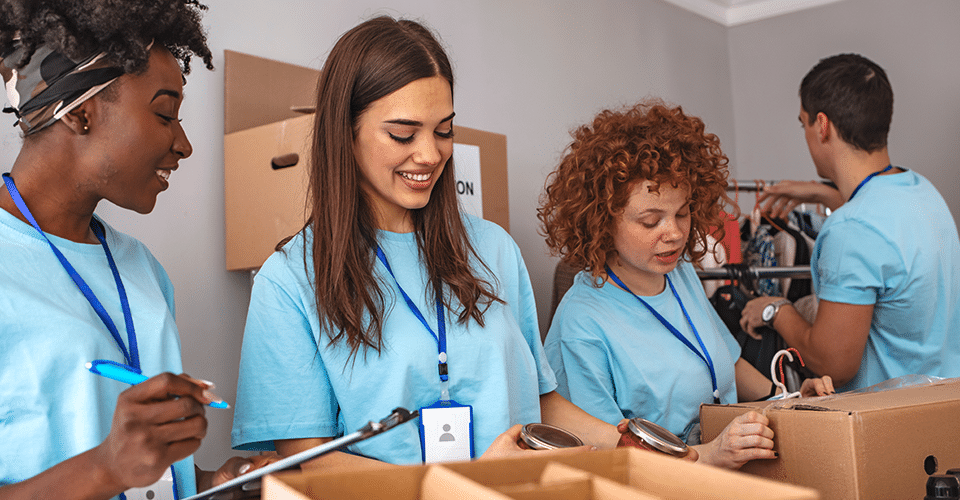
(533, 70)
(915, 41)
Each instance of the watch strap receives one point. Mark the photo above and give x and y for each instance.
(776, 310)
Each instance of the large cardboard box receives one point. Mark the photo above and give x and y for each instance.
(267, 149)
(864, 445)
(602, 475)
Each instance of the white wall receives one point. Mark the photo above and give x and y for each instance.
(916, 42)
(531, 70)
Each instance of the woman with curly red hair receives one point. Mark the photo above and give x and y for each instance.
(631, 205)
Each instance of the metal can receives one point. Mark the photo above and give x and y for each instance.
(538, 436)
(650, 436)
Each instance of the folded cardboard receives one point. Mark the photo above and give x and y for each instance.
(267, 148)
(607, 475)
(562, 482)
(403, 483)
(863, 445)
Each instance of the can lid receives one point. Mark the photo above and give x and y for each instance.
(658, 438)
(548, 437)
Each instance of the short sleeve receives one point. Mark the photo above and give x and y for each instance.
(585, 377)
(283, 391)
(853, 263)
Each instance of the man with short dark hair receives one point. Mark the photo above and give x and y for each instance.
(886, 264)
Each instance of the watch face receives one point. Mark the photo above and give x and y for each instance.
(767, 313)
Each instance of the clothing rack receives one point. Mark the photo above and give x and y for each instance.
(755, 185)
(740, 271)
(751, 186)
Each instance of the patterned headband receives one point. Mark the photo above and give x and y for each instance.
(51, 85)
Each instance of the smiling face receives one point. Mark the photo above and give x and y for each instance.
(402, 144)
(140, 137)
(650, 236)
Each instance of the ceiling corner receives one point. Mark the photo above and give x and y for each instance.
(736, 12)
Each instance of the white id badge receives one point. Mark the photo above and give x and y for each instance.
(446, 432)
(161, 490)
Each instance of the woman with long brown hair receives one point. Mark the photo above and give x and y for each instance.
(390, 296)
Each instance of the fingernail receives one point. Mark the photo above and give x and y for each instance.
(244, 468)
(213, 398)
(210, 385)
(776, 455)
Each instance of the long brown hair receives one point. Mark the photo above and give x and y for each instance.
(371, 61)
(648, 141)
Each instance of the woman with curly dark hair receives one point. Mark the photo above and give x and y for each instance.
(631, 205)
(96, 87)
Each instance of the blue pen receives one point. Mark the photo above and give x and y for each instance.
(125, 374)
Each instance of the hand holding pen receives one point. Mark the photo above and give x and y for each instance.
(126, 374)
(157, 421)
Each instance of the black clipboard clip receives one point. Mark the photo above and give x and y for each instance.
(247, 486)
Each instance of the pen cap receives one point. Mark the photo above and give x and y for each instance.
(547, 437)
(646, 434)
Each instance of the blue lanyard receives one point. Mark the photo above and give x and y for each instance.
(440, 336)
(705, 355)
(132, 356)
(867, 179)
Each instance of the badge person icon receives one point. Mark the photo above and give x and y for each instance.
(446, 436)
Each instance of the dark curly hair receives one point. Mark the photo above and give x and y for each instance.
(121, 28)
(649, 141)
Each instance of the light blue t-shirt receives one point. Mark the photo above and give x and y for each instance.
(615, 360)
(51, 407)
(293, 384)
(895, 245)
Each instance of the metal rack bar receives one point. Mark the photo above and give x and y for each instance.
(729, 272)
(752, 186)
(747, 186)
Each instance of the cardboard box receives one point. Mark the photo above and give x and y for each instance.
(267, 149)
(869, 445)
(562, 482)
(608, 474)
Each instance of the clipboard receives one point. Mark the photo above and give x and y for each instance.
(248, 485)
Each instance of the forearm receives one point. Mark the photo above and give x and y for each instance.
(817, 348)
(329, 461)
(556, 410)
(830, 197)
(77, 478)
(752, 385)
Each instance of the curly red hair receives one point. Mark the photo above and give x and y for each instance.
(649, 141)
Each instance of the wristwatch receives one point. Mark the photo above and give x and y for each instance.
(770, 311)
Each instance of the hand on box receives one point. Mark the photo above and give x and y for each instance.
(817, 387)
(746, 438)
